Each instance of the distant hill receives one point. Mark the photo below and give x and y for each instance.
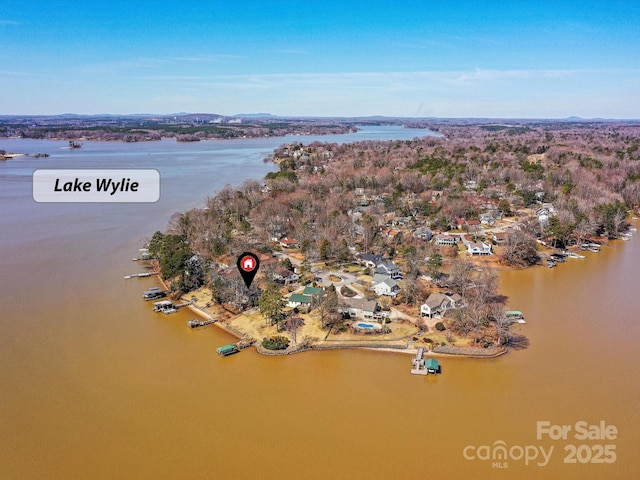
(255, 115)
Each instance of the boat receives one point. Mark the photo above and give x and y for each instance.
(550, 263)
(574, 255)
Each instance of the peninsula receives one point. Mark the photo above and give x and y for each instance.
(182, 127)
(396, 243)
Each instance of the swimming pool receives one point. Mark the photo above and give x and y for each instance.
(368, 326)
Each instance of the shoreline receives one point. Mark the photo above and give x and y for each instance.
(346, 345)
(431, 350)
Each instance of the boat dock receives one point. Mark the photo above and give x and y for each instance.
(200, 323)
(165, 306)
(227, 350)
(515, 316)
(592, 247)
(154, 293)
(245, 343)
(139, 275)
(420, 366)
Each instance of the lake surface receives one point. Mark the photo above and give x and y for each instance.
(93, 384)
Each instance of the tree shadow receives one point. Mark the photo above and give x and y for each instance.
(517, 342)
(500, 299)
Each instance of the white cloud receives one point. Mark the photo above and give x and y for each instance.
(472, 93)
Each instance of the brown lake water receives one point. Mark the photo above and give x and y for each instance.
(94, 385)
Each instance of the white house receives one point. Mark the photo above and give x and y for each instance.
(447, 239)
(478, 248)
(439, 303)
(385, 285)
(299, 300)
(545, 212)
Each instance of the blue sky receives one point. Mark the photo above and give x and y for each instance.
(321, 58)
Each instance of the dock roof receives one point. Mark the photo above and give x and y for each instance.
(431, 363)
(226, 348)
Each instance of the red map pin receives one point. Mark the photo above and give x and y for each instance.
(248, 265)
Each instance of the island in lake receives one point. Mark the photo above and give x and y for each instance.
(396, 244)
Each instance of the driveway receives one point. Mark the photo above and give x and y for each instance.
(346, 278)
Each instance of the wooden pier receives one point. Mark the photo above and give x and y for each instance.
(200, 323)
(245, 343)
(139, 275)
(184, 304)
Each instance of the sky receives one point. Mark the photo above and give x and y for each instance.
(422, 58)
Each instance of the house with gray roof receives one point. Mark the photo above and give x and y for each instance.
(361, 308)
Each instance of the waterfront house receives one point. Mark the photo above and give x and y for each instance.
(500, 238)
(478, 248)
(436, 304)
(361, 308)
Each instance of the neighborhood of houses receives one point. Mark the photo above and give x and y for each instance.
(385, 275)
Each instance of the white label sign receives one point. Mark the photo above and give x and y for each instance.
(96, 186)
